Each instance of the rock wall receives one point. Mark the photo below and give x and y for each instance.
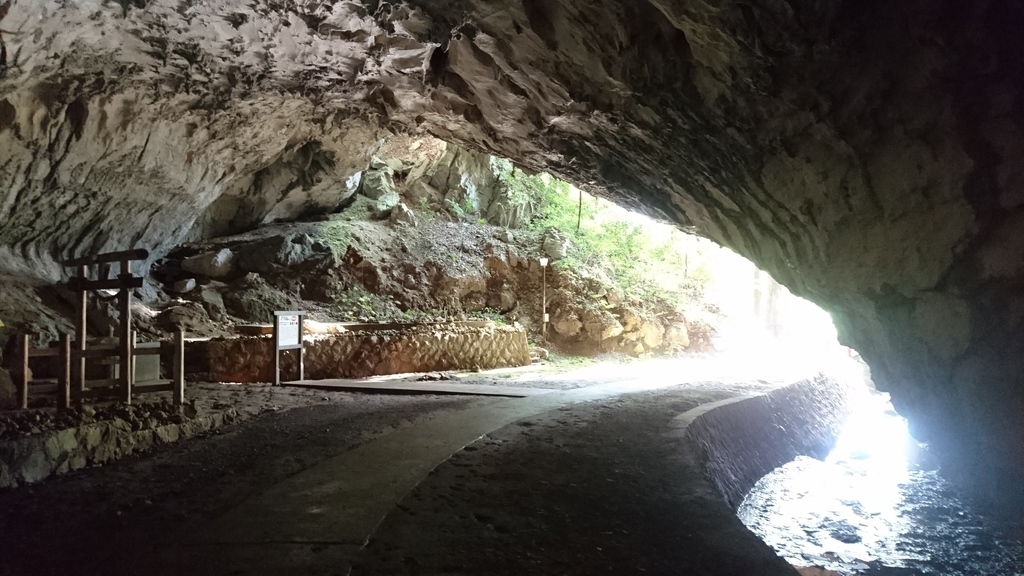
(361, 354)
(741, 440)
(864, 153)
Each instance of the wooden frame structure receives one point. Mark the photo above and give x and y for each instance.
(124, 283)
(64, 353)
(72, 385)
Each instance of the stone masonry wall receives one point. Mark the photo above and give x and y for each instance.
(35, 458)
(741, 440)
(362, 354)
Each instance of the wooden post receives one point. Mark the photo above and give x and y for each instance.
(64, 376)
(579, 215)
(81, 329)
(25, 371)
(135, 341)
(302, 351)
(125, 335)
(178, 369)
(277, 351)
(544, 304)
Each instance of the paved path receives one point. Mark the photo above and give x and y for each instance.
(315, 522)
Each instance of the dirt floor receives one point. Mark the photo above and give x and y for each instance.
(590, 487)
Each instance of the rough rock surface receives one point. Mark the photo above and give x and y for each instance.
(8, 393)
(864, 153)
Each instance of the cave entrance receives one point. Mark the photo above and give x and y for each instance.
(648, 287)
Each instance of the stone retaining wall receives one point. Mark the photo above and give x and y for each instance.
(362, 354)
(742, 439)
(34, 458)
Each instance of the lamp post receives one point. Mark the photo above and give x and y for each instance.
(544, 298)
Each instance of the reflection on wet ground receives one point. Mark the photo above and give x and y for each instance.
(876, 505)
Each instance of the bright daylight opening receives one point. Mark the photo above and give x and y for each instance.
(876, 502)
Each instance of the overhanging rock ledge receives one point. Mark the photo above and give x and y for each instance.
(867, 154)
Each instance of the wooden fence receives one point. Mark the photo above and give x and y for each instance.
(101, 389)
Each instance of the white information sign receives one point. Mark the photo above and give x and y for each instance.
(288, 332)
(287, 336)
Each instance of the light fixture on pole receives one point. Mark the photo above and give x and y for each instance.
(544, 298)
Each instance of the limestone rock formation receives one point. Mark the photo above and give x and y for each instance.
(866, 154)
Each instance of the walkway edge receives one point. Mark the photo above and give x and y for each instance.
(739, 440)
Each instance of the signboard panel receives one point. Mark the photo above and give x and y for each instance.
(287, 336)
(288, 332)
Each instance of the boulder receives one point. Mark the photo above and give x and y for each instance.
(253, 300)
(212, 265)
(556, 244)
(187, 316)
(213, 303)
(474, 302)
(279, 251)
(184, 286)
(652, 334)
(420, 191)
(378, 182)
(384, 205)
(613, 297)
(601, 325)
(401, 214)
(508, 299)
(630, 320)
(676, 335)
(567, 325)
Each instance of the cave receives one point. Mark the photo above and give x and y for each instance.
(866, 154)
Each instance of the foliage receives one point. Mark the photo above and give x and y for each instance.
(647, 261)
(547, 196)
(337, 235)
(426, 208)
(493, 315)
(359, 305)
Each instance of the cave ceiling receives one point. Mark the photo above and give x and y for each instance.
(867, 154)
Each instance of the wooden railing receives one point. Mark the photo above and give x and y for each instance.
(101, 389)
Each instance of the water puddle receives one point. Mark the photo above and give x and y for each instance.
(876, 505)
